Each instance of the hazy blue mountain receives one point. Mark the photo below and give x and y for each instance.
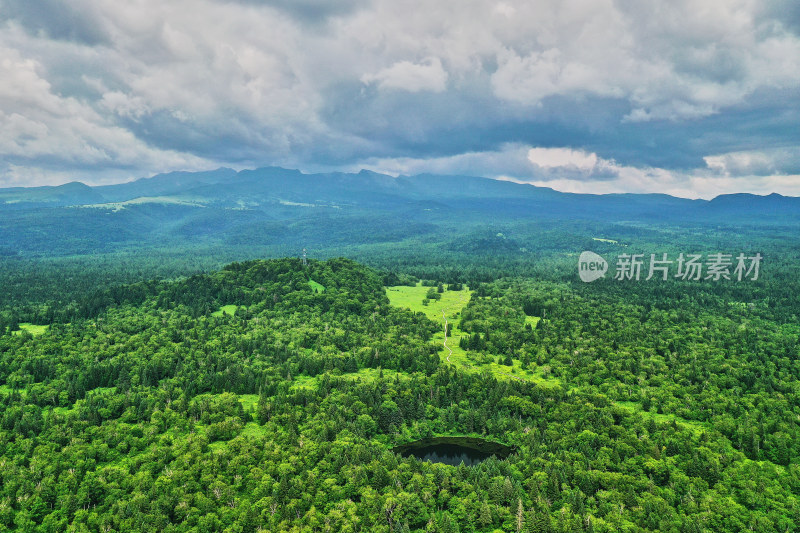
(269, 186)
(173, 183)
(285, 208)
(68, 194)
(748, 204)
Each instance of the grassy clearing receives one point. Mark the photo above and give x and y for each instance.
(33, 329)
(372, 374)
(165, 200)
(459, 355)
(452, 303)
(480, 363)
(605, 240)
(253, 429)
(411, 298)
(696, 427)
(226, 310)
(366, 375)
(316, 287)
(74, 407)
(516, 371)
(532, 320)
(304, 382)
(248, 401)
(249, 431)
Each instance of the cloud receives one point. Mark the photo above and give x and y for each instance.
(549, 158)
(508, 160)
(427, 75)
(55, 19)
(41, 129)
(780, 161)
(515, 162)
(560, 163)
(676, 184)
(98, 88)
(307, 11)
(579, 171)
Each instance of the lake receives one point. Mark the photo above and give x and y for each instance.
(454, 450)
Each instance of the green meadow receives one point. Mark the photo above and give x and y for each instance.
(33, 329)
(316, 287)
(226, 310)
(451, 303)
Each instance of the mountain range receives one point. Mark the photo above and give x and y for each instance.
(283, 207)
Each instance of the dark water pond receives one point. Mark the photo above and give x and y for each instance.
(454, 450)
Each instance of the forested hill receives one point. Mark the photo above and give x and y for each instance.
(267, 397)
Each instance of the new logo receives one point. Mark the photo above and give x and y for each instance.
(591, 266)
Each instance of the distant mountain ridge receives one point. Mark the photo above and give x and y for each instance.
(227, 186)
(284, 209)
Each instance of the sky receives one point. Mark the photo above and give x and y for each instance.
(692, 98)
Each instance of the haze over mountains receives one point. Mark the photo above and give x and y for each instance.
(263, 187)
(277, 206)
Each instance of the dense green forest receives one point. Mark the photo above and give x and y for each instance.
(251, 399)
(154, 377)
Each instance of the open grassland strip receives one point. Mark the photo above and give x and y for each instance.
(226, 310)
(33, 329)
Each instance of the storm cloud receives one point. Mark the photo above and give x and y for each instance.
(689, 98)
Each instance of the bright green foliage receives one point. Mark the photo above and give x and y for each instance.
(33, 329)
(316, 287)
(154, 413)
(225, 310)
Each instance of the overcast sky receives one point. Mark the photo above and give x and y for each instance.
(690, 97)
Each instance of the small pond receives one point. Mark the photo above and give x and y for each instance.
(454, 450)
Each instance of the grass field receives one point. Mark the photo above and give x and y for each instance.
(696, 427)
(411, 298)
(165, 200)
(532, 320)
(248, 401)
(226, 310)
(366, 375)
(250, 430)
(316, 287)
(33, 329)
(452, 303)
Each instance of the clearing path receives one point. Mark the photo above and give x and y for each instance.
(453, 302)
(447, 309)
(450, 304)
(444, 318)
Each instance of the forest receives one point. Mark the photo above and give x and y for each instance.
(267, 395)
